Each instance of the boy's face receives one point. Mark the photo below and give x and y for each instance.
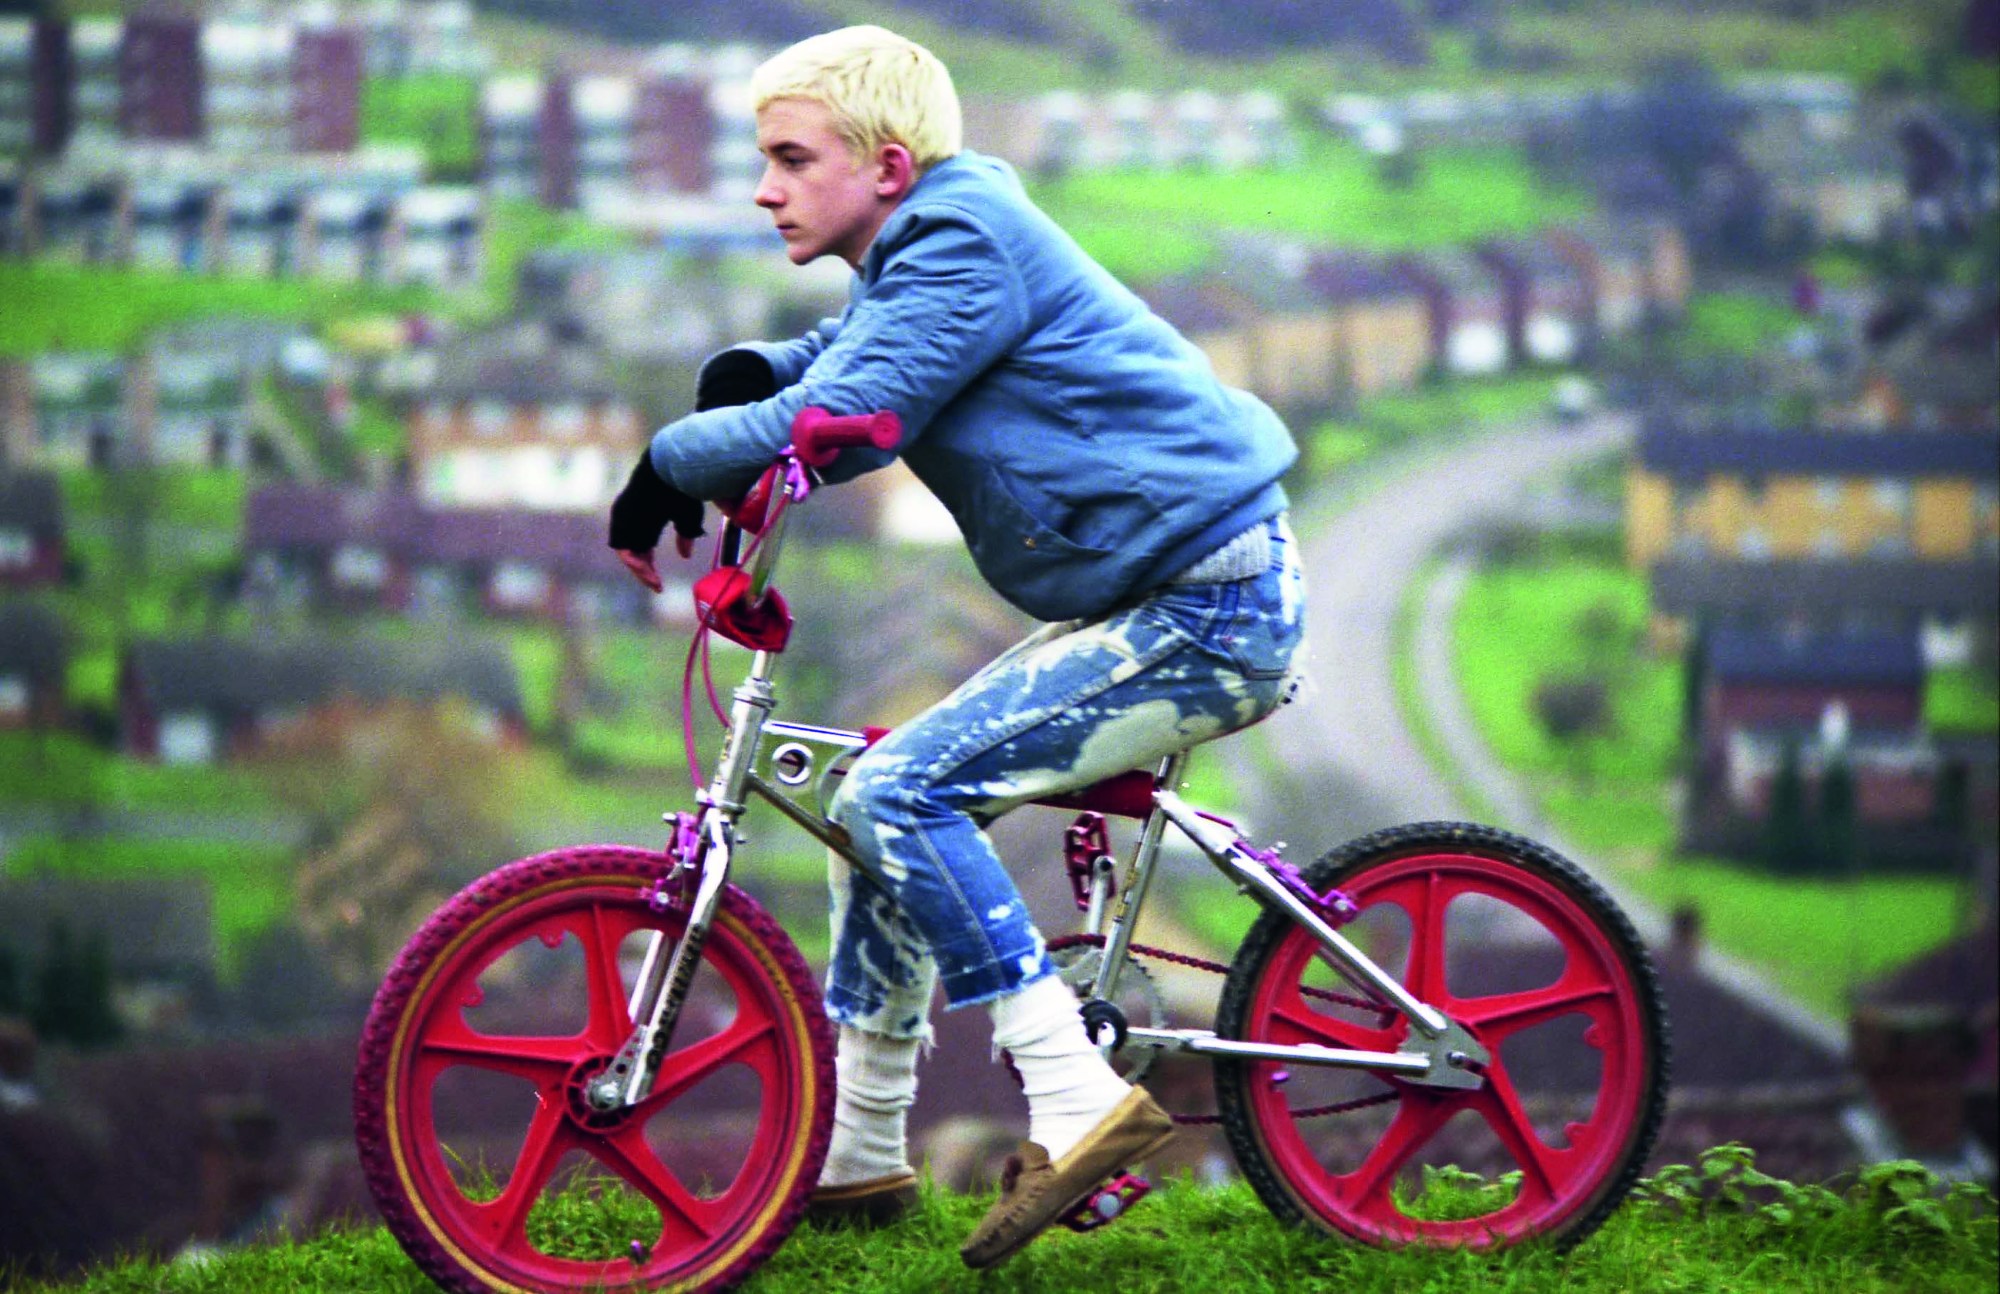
(822, 198)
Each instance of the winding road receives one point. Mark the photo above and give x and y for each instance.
(1343, 762)
(1346, 761)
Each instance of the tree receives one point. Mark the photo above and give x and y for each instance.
(1839, 834)
(72, 997)
(96, 1022)
(12, 1000)
(53, 1003)
(1787, 829)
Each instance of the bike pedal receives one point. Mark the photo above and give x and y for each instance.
(1107, 1203)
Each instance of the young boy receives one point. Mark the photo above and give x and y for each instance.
(1105, 482)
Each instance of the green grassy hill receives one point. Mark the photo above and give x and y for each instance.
(1720, 1225)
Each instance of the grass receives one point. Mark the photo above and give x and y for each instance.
(207, 498)
(1718, 1225)
(1626, 37)
(249, 883)
(1447, 407)
(1738, 323)
(1817, 939)
(1609, 793)
(1145, 224)
(97, 307)
(435, 111)
(1962, 700)
(62, 770)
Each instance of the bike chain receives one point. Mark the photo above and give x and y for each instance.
(1221, 968)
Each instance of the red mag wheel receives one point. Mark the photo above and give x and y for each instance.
(1537, 962)
(488, 1165)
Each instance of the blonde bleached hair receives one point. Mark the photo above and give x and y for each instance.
(880, 87)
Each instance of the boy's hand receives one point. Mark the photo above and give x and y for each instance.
(641, 513)
(734, 377)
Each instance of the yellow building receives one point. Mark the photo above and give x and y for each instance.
(1804, 495)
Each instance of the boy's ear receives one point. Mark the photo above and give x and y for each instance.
(895, 171)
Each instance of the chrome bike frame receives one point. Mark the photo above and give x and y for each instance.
(802, 765)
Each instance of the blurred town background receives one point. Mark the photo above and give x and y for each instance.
(1642, 353)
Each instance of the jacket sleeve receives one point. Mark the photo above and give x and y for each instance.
(946, 305)
(788, 359)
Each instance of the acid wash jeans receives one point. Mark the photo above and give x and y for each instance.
(1069, 705)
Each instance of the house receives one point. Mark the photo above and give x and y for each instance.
(1854, 695)
(202, 700)
(191, 388)
(519, 417)
(164, 76)
(1614, 264)
(94, 62)
(1737, 492)
(341, 234)
(67, 409)
(1843, 187)
(259, 229)
(523, 563)
(1381, 322)
(167, 223)
(1294, 337)
(335, 548)
(34, 663)
(434, 237)
(71, 217)
(1467, 306)
(640, 305)
(1549, 303)
(1924, 1039)
(36, 114)
(32, 537)
(160, 77)
(578, 139)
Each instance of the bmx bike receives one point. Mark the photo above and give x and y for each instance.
(655, 1043)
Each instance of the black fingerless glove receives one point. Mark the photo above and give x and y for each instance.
(736, 376)
(645, 507)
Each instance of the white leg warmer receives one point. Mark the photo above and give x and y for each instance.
(1069, 1086)
(875, 1083)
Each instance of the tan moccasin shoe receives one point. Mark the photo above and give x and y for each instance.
(874, 1203)
(1034, 1192)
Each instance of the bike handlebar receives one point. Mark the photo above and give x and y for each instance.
(819, 436)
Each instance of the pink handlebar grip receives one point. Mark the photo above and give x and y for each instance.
(819, 436)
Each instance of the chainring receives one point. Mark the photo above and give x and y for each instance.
(1139, 997)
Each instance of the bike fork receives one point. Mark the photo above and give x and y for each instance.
(664, 977)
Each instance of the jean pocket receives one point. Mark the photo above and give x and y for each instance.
(1260, 639)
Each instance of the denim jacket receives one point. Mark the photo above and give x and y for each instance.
(1085, 449)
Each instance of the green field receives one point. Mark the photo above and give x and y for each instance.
(93, 307)
(1142, 225)
(437, 112)
(1438, 411)
(1610, 793)
(248, 883)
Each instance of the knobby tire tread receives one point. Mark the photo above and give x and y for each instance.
(436, 934)
(1232, 1077)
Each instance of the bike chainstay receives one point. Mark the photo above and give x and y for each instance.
(1222, 968)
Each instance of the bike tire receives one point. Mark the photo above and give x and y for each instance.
(1592, 1040)
(511, 947)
